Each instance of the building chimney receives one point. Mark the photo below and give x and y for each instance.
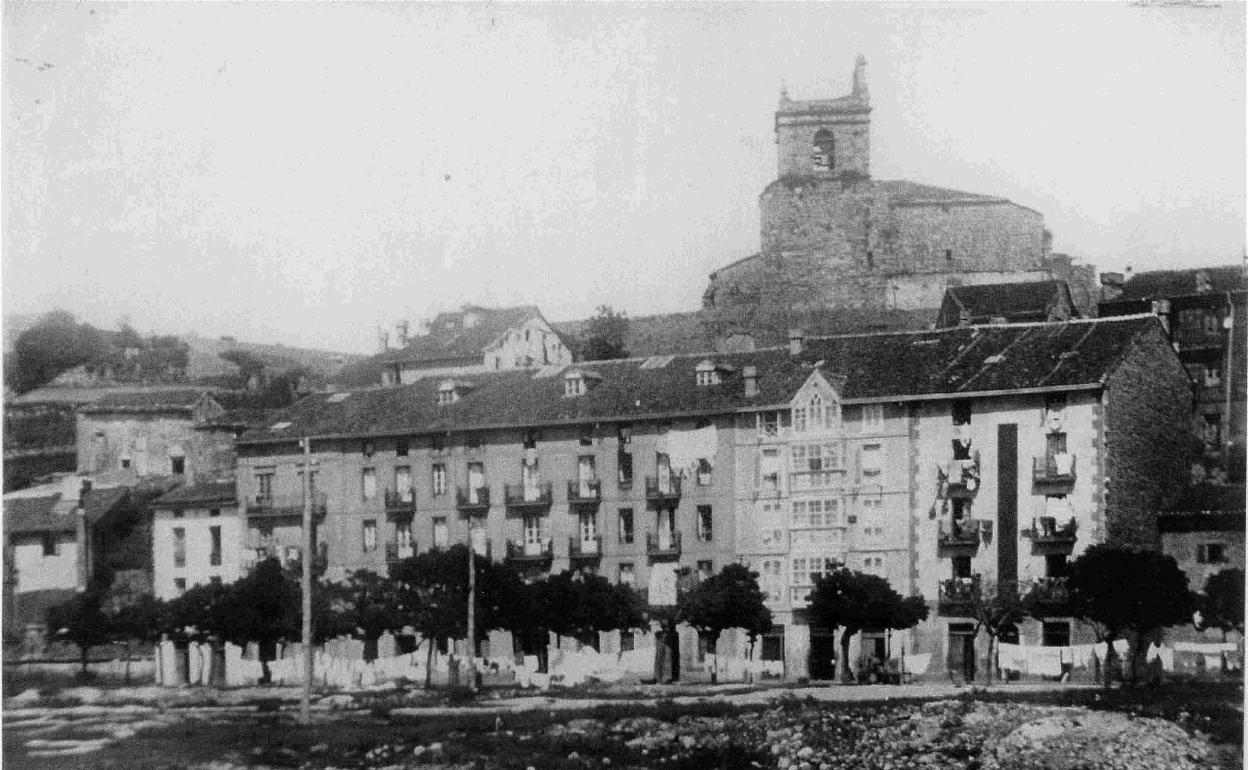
(797, 342)
(1111, 285)
(750, 375)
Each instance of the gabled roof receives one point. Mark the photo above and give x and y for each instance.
(1161, 284)
(650, 335)
(128, 402)
(197, 495)
(902, 191)
(937, 363)
(442, 344)
(1029, 301)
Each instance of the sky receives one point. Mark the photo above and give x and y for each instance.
(299, 173)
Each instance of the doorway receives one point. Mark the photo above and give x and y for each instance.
(962, 651)
(823, 651)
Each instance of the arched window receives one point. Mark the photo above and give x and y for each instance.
(823, 153)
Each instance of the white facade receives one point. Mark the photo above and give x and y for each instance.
(45, 561)
(193, 546)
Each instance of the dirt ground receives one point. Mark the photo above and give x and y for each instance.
(1179, 725)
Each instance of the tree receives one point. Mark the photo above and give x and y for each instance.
(54, 345)
(852, 601)
(82, 621)
(1122, 590)
(578, 605)
(730, 599)
(365, 605)
(997, 609)
(1222, 603)
(135, 620)
(606, 335)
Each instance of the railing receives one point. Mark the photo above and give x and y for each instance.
(284, 505)
(401, 500)
(288, 555)
(528, 495)
(400, 551)
(529, 551)
(1047, 591)
(954, 533)
(1053, 469)
(581, 548)
(1046, 531)
(472, 498)
(825, 479)
(663, 488)
(663, 545)
(961, 479)
(958, 594)
(586, 491)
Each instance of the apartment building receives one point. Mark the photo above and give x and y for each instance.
(196, 532)
(947, 461)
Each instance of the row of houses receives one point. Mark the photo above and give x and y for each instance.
(946, 460)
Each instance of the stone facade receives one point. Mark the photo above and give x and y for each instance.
(833, 237)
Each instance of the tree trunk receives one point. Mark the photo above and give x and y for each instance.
(429, 665)
(988, 664)
(82, 656)
(673, 649)
(847, 675)
(712, 643)
(1110, 655)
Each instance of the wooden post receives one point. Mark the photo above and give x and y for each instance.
(305, 699)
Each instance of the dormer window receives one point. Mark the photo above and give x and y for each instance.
(707, 374)
(816, 413)
(577, 382)
(450, 391)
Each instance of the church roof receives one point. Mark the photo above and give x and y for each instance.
(901, 191)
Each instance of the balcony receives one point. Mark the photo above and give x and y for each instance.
(957, 596)
(399, 551)
(958, 535)
(1051, 593)
(663, 545)
(472, 500)
(813, 480)
(1047, 536)
(400, 504)
(1054, 472)
(526, 497)
(585, 492)
(663, 491)
(529, 554)
(581, 549)
(274, 506)
(961, 479)
(288, 555)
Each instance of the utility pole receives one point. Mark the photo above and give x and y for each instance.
(305, 699)
(472, 611)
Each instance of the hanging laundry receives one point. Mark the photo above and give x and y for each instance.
(686, 447)
(1081, 655)
(917, 664)
(1043, 661)
(1010, 657)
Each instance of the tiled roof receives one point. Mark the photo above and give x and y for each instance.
(1028, 301)
(903, 191)
(83, 395)
(442, 343)
(199, 494)
(1218, 498)
(52, 514)
(650, 335)
(183, 399)
(1159, 284)
(898, 365)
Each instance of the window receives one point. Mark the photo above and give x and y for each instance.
(872, 417)
(125, 463)
(1212, 323)
(179, 547)
(1056, 565)
(961, 566)
(368, 483)
(706, 374)
(822, 537)
(772, 580)
(401, 448)
(772, 424)
(627, 641)
(871, 460)
(1213, 376)
(441, 534)
(870, 259)
(367, 448)
(823, 151)
(403, 534)
(816, 414)
(403, 482)
(439, 481)
(369, 538)
(49, 544)
(179, 514)
(573, 385)
(961, 412)
(627, 576)
(871, 519)
(626, 525)
(873, 564)
(473, 440)
(179, 585)
(816, 513)
(177, 465)
(706, 524)
(773, 646)
(587, 435)
(587, 526)
(214, 512)
(214, 553)
(264, 485)
(1212, 429)
(948, 255)
(769, 519)
(437, 443)
(705, 569)
(1211, 553)
(530, 439)
(807, 568)
(704, 472)
(1192, 320)
(626, 468)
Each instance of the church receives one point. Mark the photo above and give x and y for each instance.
(841, 251)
